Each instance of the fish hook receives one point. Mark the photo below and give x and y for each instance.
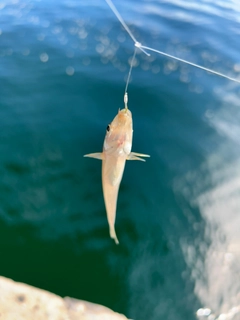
(125, 99)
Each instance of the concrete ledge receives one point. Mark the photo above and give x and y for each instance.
(19, 301)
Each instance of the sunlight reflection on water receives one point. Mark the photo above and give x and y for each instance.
(214, 260)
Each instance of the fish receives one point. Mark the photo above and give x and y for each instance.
(116, 150)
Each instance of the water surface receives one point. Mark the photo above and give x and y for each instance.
(63, 71)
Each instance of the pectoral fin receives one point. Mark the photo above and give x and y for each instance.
(97, 155)
(135, 156)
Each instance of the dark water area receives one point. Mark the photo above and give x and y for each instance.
(62, 77)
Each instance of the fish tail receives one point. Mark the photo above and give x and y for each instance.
(113, 235)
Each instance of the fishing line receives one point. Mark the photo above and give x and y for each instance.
(117, 14)
(143, 48)
(191, 64)
(128, 79)
(130, 70)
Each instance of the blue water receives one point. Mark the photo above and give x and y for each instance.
(62, 77)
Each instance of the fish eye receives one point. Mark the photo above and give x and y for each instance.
(108, 128)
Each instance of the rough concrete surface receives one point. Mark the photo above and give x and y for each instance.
(19, 301)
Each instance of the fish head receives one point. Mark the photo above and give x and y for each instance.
(118, 139)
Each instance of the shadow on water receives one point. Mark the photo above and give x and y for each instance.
(52, 264)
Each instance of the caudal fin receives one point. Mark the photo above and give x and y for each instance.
(113, 235)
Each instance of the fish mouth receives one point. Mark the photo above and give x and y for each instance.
(125, 112)
(124, 116)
